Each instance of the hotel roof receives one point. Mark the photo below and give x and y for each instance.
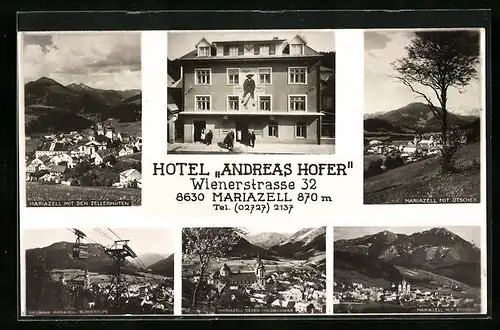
(193, 55)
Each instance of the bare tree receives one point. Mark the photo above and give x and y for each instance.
(207, 244)
(436, 61)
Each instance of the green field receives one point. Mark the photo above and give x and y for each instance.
(422, 180)
(133, 128)
(351, 276)
(47, 192)
(135, 157)
(104, 278)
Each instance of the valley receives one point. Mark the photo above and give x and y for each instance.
(388, 272)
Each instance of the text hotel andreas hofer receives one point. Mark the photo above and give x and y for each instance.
(253, 194)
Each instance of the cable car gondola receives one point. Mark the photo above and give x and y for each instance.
(80, 250)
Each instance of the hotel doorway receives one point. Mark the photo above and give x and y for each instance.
(243, 127)
(199, 125)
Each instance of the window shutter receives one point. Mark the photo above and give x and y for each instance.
(226, 50)
(241, 50)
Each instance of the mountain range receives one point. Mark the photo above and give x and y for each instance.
(266, 239)
(303, 244)
(414, 117)
(52, 106)
(58, 256)
(437, 251)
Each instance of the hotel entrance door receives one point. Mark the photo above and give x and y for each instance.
(243, 128)
(199, 125)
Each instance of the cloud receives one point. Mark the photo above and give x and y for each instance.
(376, 40)
(76, 57)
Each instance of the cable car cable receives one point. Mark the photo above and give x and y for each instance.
(114, 233)
(103, 234)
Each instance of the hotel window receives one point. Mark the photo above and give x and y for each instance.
(272, 129)
(272, 49)
(233, 76)
(264, 50)
(296, 49)
(297, 103)
(297, 75)
(204, 51)
(203, 76)
(203, 102)
(233, 50)
(265, 76)
(233, 102)
(301, 130)
(265, 102)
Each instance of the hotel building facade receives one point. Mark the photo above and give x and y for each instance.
(269, 87)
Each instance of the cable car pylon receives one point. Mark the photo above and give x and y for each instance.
(118, 252)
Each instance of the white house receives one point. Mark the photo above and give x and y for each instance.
(92, 146)
(102, 156)
(56, 160)
(125, 151)
(46, 178)
(293, 294)
(31, 168)
(129, 176)
(36, 162)
(138, 143)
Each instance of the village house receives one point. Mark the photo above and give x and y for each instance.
(103, 156)
(51, 149)
(138, 143)
(174, 102)
(284, 77)
(304, 307)
(293, 294)
(129, 176)
(126, 150)
(283, 303)
(56, 160)
(31, 168)
(57, 170)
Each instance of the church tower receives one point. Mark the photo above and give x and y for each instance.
(86, 280)
(100, 129)
(62, 280)
(260, 271)
(225, 271)
(109, 132)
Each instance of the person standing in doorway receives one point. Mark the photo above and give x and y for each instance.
(202, 136)
(238, 135)
(252, 139)
(248, 90)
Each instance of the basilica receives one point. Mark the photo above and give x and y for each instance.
(225, 277)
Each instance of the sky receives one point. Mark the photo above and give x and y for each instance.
(182, 42)
(382, 93)
(142, 241)
(100, 60)
(470, 234)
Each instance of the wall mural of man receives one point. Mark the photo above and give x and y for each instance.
(248, 90)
